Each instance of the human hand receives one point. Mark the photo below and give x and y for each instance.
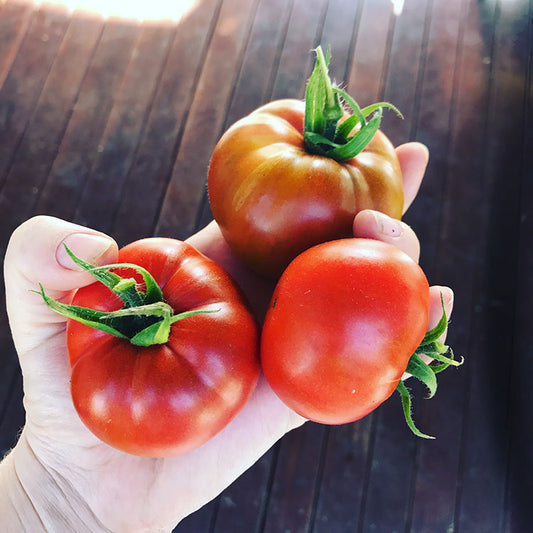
(66, 475)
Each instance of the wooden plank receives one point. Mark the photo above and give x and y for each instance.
(296, 61)
(241, 506)
(341, 499)
(292, 496)
(79, 146)
(465, 212)
(366, 73)
(13, 417)
(30, 165)
(519, 512)
(165, 125)
(254, 83)
(341, 25)
(433, 115)
(104, 184)
(14, 21)
(8, 360)
(23, 84)
(405, 72)
(200, 521)
(438, 462)
(183, 197)
(43, 133)
(485, 449)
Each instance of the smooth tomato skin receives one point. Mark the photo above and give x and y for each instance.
(343, 321)
(166, 399)
(273, 200)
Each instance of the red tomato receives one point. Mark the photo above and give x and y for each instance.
(343, 322)
(166, 398)
(273, 199)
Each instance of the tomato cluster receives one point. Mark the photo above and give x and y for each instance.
(164, 350)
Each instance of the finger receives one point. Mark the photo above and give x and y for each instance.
(211, 243)
(439, 295)
(370, 224)
(36, 254)
(258, 290)
(413, 158)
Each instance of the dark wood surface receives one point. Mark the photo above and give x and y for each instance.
(110, 122)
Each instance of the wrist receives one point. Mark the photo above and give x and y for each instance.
(33, 499)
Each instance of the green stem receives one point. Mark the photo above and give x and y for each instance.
(332, 110)
(145, 319)
(327, 131)
(432, 347)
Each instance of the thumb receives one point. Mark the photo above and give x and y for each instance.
(36, 254)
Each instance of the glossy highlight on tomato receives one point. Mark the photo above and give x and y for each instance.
(344, 320)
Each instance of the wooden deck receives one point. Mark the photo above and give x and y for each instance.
(110, 122)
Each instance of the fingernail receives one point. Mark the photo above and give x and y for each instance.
(388, 226)
(86, 246)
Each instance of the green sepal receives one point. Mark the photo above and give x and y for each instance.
(405, 396)
(322, 106)
(144, 320)
(122, 287)
(326, 130)
(159, 332)
(89, 317)
(432, 347)
(349, 148)
(421, 370)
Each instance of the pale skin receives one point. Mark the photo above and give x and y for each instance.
(60, 477)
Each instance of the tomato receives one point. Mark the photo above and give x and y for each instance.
(277, 187)
(344, 320)
(167, 398)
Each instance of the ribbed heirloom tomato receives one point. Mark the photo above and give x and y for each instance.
(168, 356)
(293, 174)
(346, 320)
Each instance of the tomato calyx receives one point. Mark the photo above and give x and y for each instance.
(144, 320)
(325, 131)
(431, 346)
